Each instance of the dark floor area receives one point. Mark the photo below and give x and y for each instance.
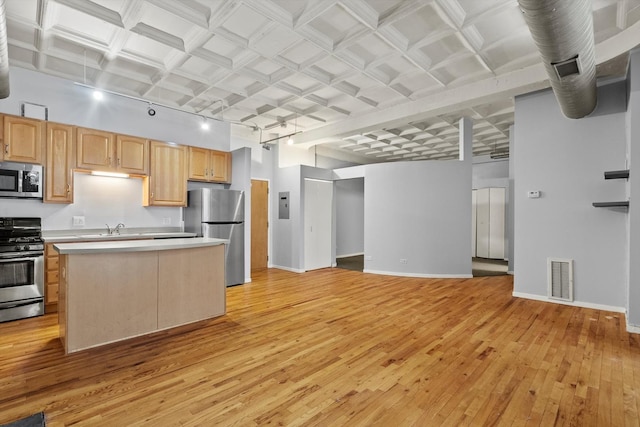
(480, 266)
(355, 263)
(489, 267)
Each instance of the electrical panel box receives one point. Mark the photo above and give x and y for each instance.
(283, 205)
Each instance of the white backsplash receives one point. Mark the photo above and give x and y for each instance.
(100, 200)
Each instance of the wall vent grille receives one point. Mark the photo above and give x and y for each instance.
(560, 278)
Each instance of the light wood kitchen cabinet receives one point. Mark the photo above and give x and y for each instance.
(22, 140)
(132, 155)
(59, 160)
(220, 166)
(166, 184)
(95, 149)
(51, 278)
(209, 165)
(106, 151)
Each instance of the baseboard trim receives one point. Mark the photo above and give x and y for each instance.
(419, 275)
(632, 329)
(348, 255)
(510, 272)
(247, 280)
(582, 304)
(293, 270)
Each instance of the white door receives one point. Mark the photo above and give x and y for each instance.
(496, 222)
(318, 209)
(482, 223)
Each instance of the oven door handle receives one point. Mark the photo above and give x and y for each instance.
(30, 257)
(21, 303)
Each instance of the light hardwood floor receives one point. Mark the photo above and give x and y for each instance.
(335, 348)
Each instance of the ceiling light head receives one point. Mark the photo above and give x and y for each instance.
(151, 111)
(290, 140)
(266, 147)
(98, 95)
(204, 125)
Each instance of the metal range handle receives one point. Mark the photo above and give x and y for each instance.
(21, 303)
(20, 256)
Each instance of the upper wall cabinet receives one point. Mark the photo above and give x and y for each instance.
(132, 154)
(22, 140)
(105, 151)
(209, 165)
(59, 161)
(95, 149)
(166, 184)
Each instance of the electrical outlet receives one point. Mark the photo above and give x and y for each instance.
(403, 261)
(166, 221)
(533, 194)
(78, 221)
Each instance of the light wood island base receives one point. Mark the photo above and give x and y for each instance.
(112, 296)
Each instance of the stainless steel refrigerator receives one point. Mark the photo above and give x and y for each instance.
(220, 214)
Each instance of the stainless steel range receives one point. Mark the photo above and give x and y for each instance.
(21, 268)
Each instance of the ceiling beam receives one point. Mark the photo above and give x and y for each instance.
(488, 90)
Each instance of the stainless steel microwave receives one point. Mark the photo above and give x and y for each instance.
(21, 180)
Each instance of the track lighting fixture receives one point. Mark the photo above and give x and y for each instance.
(204, 125)
(98, 95)
(151, 111)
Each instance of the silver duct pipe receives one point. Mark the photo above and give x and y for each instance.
(4, 53)
(563, 32)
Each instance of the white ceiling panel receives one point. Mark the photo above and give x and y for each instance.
(319, 65)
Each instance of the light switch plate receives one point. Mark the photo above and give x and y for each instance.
(78, 221)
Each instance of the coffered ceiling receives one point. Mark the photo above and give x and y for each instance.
(374, 80)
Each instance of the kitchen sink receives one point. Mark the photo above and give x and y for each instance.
(119, 236)
(89, 236)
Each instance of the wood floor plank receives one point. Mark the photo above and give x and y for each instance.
(338, 347)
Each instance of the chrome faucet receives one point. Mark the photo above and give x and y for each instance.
(114, 230)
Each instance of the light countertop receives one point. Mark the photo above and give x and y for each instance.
(99, 235)
(95, 247)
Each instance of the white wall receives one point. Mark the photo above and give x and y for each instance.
(421, 212)
(292, 155)
(287, 233)
(633, 219)
(565, 159)
(72, 104)
(488, 172)
(241, 180)
(100, 200)
(511, 204)
(349, 195)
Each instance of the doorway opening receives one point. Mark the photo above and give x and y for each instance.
(488, 232)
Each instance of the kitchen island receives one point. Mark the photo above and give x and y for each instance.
(111, 291)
